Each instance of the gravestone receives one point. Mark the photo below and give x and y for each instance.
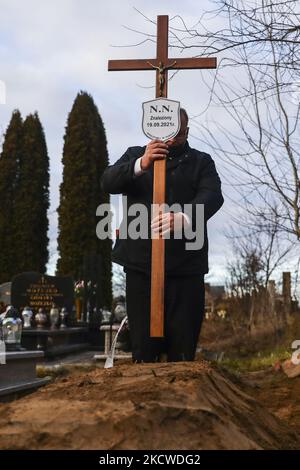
(36, 291)
(41, 291)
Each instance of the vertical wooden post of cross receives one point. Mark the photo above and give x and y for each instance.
(159, 195)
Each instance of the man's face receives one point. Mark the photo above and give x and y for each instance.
(181, 137)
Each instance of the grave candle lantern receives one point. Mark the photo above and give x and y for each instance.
(63, 317)
(54, 316)
(27, 315)
(12, 329)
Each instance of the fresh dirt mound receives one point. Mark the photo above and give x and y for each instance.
(185, 405)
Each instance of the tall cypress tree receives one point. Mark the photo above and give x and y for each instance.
(32, 200)
(84, 160)
(9, 176)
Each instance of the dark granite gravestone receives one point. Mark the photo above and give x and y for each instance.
(41, 291)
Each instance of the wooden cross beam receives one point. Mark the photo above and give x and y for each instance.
(162, 63)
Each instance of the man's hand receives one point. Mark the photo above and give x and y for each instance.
(168, 222)
(155, 150)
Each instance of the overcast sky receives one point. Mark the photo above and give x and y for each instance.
(49, 51)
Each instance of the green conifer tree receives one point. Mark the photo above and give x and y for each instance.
(84, 160)
(32, 200)
(9, 174)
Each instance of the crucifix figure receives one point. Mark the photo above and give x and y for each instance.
(161, 77)
(162, 63)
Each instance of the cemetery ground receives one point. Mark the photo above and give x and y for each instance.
(245, 401)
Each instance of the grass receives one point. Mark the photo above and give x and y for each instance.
(63, 369)
(258, 361)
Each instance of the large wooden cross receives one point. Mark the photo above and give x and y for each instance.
(162, 63)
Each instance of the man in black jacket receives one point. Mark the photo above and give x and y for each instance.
(191, 181)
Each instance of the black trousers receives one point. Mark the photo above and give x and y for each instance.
(184, 311)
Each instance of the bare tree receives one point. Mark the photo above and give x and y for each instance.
(257, 86)
(258, 254)
(255, 101)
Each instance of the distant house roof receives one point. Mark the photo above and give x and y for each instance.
(215, 291)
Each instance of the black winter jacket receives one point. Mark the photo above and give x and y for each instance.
(191, 177)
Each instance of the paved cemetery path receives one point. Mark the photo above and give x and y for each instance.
(158, 406)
